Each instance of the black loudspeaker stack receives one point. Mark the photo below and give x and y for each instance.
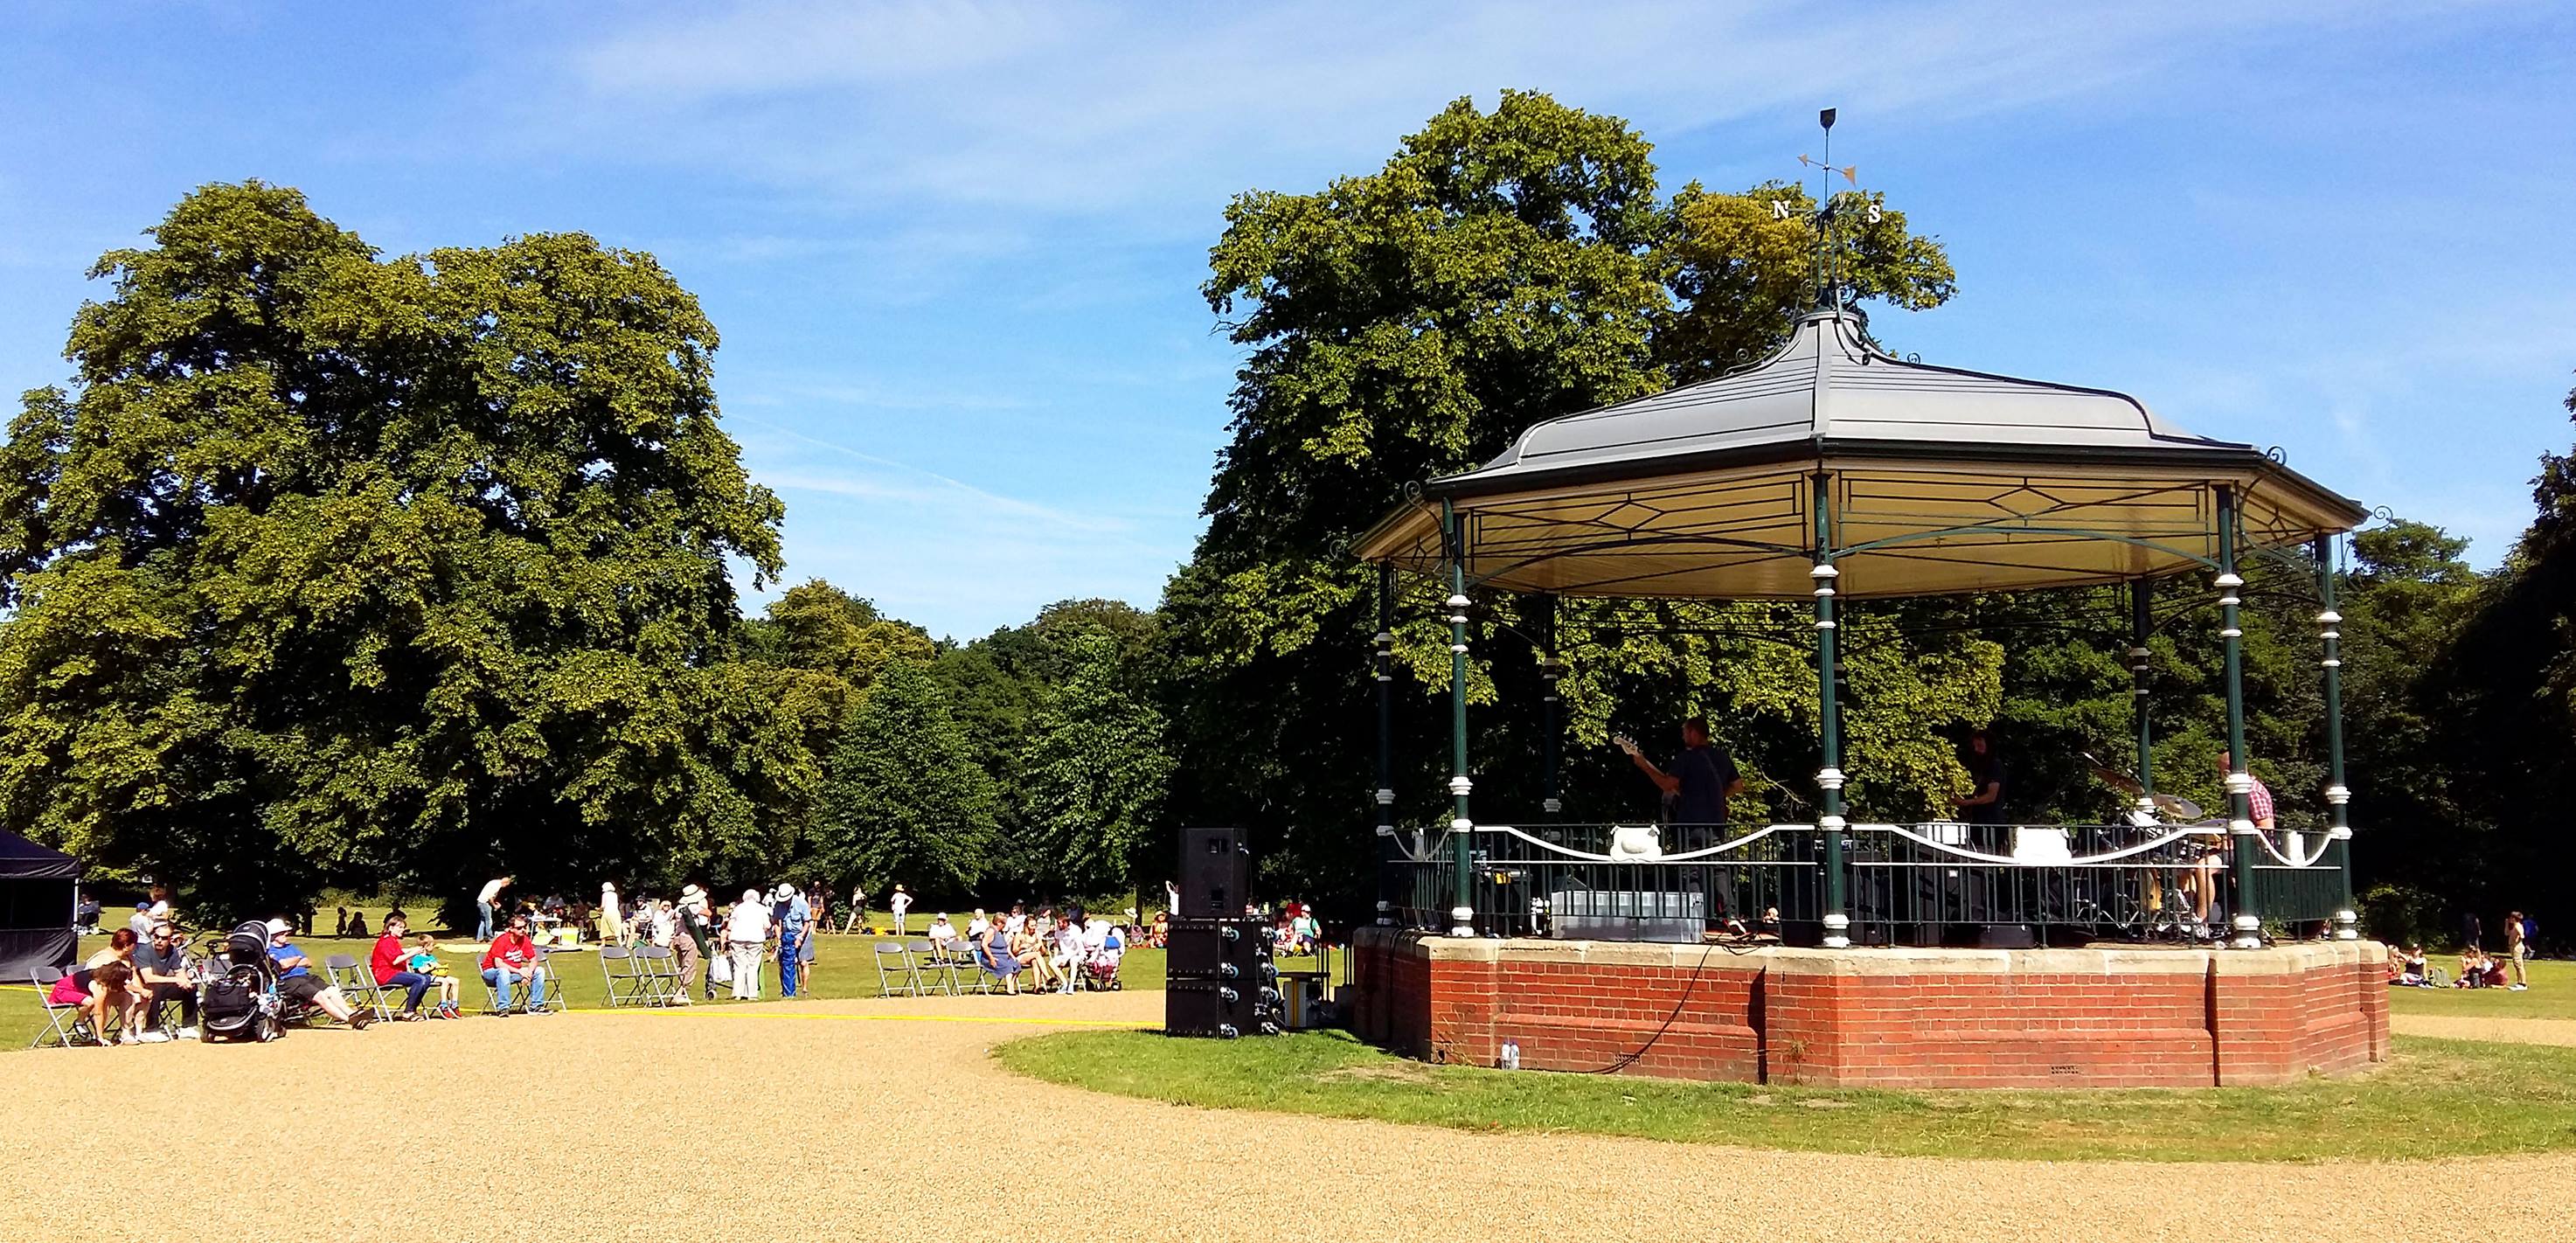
(1219, 980)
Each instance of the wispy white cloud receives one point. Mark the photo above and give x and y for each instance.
(1086, 108)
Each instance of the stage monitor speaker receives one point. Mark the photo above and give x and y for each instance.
(1216, 874)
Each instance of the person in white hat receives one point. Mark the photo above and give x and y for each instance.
(689, 944)
(747, 934)
(295, 979)
(795, 923)
(612, 923)
(900, 903)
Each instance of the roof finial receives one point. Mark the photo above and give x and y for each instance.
(1829, 285)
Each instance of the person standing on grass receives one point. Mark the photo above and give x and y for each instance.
(747, 933)
(858, 908)
(612, 917)
(2516, 949)
(900, 903)
(486, 906)
(793, 927)
(389, 963)
(691, 943)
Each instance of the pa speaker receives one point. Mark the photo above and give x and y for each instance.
(1216, 874)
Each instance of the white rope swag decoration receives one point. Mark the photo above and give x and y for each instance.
(2310, 859)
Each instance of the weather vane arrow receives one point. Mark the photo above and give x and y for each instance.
(1850, 172)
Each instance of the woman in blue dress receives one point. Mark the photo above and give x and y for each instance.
(993, 954)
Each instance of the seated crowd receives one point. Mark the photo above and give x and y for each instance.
(1058, 951)
(133, 984)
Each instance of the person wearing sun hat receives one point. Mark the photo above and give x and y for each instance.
(900, 904)
(295, 978)
(689, 945)
(795, 923)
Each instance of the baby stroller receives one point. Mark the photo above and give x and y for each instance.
(242, 1001)
(1100, 967)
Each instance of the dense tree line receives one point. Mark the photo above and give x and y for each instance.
(333, 569)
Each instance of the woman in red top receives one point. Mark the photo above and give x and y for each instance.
(388, 964)
(514, 957)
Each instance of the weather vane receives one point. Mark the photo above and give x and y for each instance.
(1828, 288)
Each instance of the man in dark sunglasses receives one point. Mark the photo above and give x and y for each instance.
(162, 962)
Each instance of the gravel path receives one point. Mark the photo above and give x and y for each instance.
(587, 1126)
(2464, 1027)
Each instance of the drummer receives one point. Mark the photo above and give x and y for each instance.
(2201, 881)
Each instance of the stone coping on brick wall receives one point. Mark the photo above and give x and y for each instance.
(2101, 960)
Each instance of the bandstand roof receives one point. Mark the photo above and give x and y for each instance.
(1937, 480)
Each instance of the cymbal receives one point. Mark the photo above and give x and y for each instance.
(2182, 808)
(2112, 777)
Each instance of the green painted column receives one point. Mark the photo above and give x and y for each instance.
(1829, 779)
(2338, 824)
(1550, 672)
(1390, 854)
(1462, 915)
(2142, 625)
(2240, 783)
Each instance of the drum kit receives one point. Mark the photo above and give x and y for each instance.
(2196, 852)
(2173, 809)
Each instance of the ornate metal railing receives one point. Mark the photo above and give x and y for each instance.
(1913, 883)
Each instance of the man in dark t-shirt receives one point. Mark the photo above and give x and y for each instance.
(1984, 803)
(162, 965)
(1703, 777)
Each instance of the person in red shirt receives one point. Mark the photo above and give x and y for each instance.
(388, 965)
(514, 957)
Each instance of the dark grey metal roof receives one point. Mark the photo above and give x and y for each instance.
(1824, 390)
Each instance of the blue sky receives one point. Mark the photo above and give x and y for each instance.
(953, 250)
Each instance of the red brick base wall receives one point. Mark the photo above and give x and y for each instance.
(2125, 1017)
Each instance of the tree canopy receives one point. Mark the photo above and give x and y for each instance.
(907, 804)
(1502, 268)
(327, 563)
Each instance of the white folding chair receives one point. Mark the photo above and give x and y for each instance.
(936, 967)
(904, 979)
(660, 970)
(355, 982)
(626, 983)
(65, 1026)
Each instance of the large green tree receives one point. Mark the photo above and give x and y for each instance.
(331, 566)
(1092, 781)
(906, 802)
(1503, 267)
(817, 626)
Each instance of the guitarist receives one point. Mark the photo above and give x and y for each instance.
(1696, 790)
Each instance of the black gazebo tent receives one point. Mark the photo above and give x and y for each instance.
(36, 887)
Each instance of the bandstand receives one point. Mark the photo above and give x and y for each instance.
(1833, 472)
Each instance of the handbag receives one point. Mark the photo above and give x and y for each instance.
(720, 968)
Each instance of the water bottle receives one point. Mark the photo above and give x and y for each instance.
(1511, 1055)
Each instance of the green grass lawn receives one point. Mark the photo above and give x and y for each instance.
(845, 966)
(2437, 1098)
(2552, 995)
